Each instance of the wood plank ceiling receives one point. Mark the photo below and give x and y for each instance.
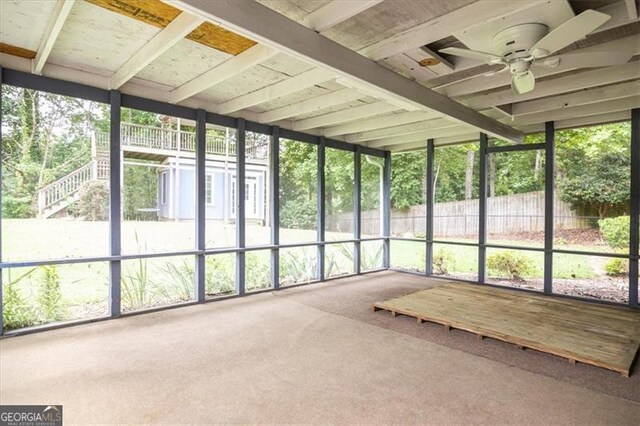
(171, 52)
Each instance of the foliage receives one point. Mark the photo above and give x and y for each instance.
(45, 136)
(298, 183)
(180, 281)
(371, 259)
(616, 231)
(298, 266)
(93, 201)
(510, 264)
(450, 167)
(617, 267)
(299, 214)
(49, 295)
(443, 259)
(136, 286)
(258, 272)
(408, 171)
(220, 274)
(140, 189)
(16, 312)
(593, 168)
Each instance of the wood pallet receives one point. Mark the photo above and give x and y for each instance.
(604, 336)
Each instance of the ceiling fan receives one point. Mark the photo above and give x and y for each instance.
(520, 47)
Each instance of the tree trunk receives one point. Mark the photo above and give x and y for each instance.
(538, 166)
(492, 175)
(468, 177)
(435, 181)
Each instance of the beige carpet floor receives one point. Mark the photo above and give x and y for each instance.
(316, 354)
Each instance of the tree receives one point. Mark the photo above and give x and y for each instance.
(45, 136)
(593, 168)
(408, 171)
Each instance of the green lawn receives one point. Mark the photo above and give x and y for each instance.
(464, 260)
(158, 281)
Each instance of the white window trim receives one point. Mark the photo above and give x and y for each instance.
(164, 187)
(211, 190)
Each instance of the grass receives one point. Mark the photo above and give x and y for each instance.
(409, 254)
(157, 281)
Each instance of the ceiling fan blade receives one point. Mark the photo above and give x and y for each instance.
(523, 83)
(472, 54)
(571, 31)
(594, 59)
(500, 71)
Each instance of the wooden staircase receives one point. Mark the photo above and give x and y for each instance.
(65, 191)
(144, 142)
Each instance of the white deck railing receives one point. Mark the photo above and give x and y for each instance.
(157, 139)
(67, 186)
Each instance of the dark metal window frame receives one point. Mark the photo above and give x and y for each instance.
(549, 147)
(118, 101)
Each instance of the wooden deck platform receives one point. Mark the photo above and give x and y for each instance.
(599, 335)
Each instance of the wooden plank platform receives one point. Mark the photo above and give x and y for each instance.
(604, 336)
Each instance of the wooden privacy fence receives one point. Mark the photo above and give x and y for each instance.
(505, 214)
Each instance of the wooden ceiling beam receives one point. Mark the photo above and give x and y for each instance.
(177, 29)
(343, 116)
(267, 26)
(224, 71)
(406, 129)
(54, 27)
(443, 26)
(282, 88)
(555, 86)
(419, 137)
(588, 96)
(312, 105)
(379, 123)
(336, 11)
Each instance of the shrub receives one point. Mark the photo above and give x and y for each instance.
(49, 295)
(442, 260)
(298, 267)
(298, 214)
(93, 201)
(16, 312)
(510, 264)
(615, 231)
(258, 272)
(617, 267)
(220, 274)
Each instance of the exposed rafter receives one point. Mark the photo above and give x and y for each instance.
(379, 123)
(441, 141)
(396, 131)
(610, 117)
(336, 11)
(56, 22)
(282, 88)
(476, 82)
(615, 105)
(417, 137)
(232, 66)
(267, 26)
(589, 96)
(632, 8)
(177, 29)
(366, 110)
(569, 83)
(311, 105)
(443, 26)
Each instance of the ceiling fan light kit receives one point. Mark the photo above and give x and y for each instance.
(522, 46)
